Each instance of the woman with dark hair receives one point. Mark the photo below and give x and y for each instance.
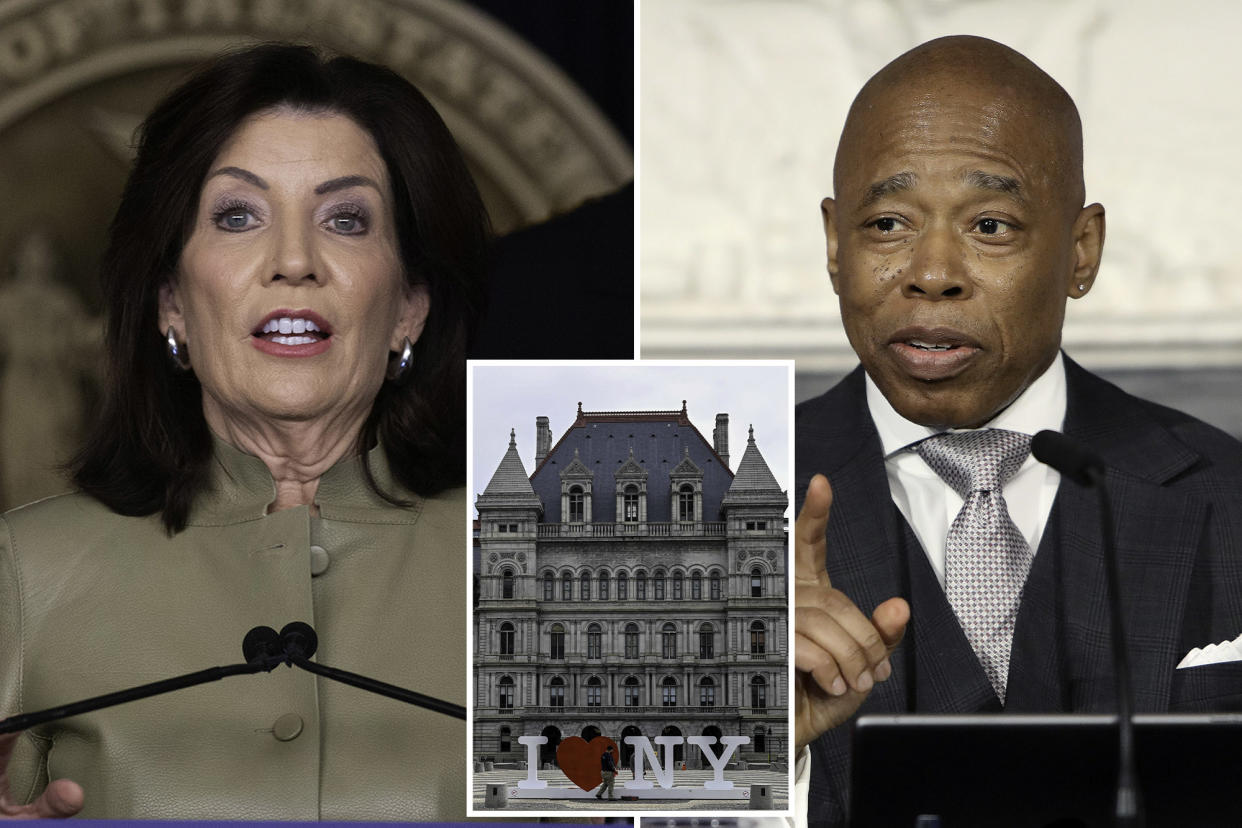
(292, 277)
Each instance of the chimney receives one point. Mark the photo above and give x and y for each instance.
(720, 437)
(543, 439)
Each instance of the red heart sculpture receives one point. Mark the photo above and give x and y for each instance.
(580, 759)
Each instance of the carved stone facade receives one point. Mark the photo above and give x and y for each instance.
(632, 585)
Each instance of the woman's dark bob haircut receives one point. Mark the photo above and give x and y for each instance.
(151, 449)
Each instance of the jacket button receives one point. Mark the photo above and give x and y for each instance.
(319, 560)
(288, 727)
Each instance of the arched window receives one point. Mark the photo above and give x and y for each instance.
(594, 638)
(630, 507)
(567, 586)
(696, 587)
(631, 641)
(506, 639)
(603, 586)
(758, 639)
(758, 694)
(556, 692)
(556, 644)
(668, 634)
(640, 585)
(593, 690)
(506, 584)
(506, 693)
(577, 502)
(668, 691)
(548, 582)
(677, 582)
(707, 692)
(631, 688)
(584, 592)
(707, 636)
(715, 586)
(505, 742)
(756, 583)
(685, 503)
(657, 584)
(761, 740)
(622, 587)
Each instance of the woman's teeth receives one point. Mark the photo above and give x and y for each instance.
(286, 325)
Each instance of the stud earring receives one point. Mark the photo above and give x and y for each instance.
(178, 352)
(397, 370)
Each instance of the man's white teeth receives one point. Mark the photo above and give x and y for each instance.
(287, 325)
(294, 340)
(927, 346)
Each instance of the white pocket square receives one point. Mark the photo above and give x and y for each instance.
(1213, 654)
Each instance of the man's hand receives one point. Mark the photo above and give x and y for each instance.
(61, 799)
(840, 653)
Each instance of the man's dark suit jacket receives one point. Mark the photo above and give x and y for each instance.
(1176, 488)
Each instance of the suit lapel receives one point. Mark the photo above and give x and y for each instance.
(837, 438)
(1158, 532)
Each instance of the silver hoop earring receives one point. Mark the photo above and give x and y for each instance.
(177, 352)
(397, 370)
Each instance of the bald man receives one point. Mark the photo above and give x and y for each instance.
(955, 236)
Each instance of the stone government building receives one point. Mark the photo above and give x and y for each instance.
(632, 585)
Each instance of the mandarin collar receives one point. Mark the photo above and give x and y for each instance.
(240, 487)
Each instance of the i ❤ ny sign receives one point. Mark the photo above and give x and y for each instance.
(580, 760)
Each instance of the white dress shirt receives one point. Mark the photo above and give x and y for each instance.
(929, 504)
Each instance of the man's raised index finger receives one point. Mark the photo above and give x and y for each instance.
(810, 545)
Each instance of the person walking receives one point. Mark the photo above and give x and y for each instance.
(608, 768)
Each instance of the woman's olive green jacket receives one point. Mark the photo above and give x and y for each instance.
(92, 602)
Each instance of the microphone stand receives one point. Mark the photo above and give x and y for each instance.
(264, 650)
(26, 721)
(298, 643)
(1129, 799)
(1084, 467)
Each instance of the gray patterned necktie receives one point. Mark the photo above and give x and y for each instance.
(986, 557)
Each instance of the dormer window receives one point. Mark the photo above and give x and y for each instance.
(576, 482)
(686, 491)
(631, 491)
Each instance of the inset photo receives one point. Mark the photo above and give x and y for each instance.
(631, 606)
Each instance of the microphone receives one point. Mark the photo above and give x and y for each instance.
(1083, 466)
(261, 646)
(298, 640)
(264, 650)
(1068, 457)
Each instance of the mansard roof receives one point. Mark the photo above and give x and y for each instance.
(509, 485)
(754, 481)
(659, 441)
